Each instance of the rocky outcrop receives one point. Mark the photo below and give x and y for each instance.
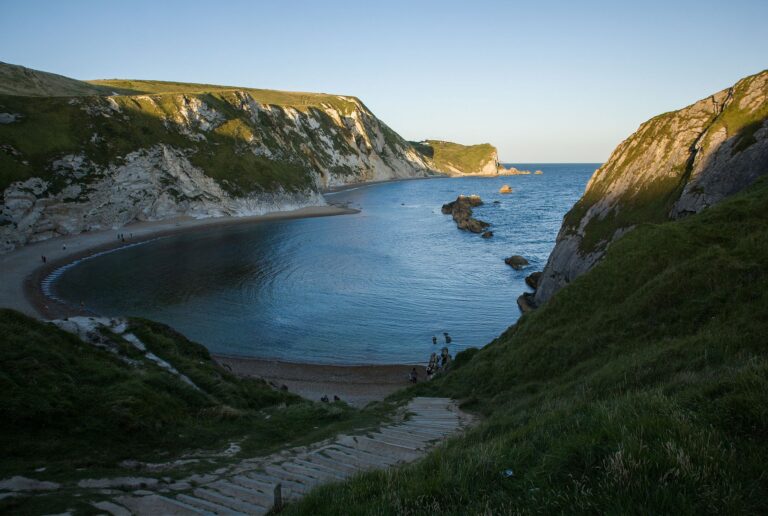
(532, 280)
(516, 261)
(226, 152)
(675, 164)
(461, 211)
(505, 189)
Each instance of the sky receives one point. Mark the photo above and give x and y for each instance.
(543, 81)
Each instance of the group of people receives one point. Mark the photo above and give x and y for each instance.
(436, 363)
(325, 398)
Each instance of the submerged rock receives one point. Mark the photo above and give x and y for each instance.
(487, 234)
(516, 261)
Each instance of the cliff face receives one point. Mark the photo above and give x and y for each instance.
(72, 164)
(675, 164)
(455, 159)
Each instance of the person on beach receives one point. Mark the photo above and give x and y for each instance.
(432, 366)
(445, 358)
(44, 259)
(63, 247)
(434, 340)
(414, 376)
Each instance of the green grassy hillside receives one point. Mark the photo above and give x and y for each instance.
(65, 404)
(454, 157)
(640, 388)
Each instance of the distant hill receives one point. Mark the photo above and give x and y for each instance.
(459, 160)
(22, 81)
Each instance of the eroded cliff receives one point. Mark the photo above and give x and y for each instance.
(675, 164)
(78, 163)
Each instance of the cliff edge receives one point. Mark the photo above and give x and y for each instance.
(675, 164)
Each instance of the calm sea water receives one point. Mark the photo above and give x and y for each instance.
(368, 288)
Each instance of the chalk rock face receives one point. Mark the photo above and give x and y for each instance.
(152, 184)
(154, 156)
(676, 164)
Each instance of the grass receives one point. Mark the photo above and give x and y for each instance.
(67, 405)
(638, 389)
(450, 157)
(18, 80)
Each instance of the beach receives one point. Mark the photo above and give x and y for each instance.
(23, 270)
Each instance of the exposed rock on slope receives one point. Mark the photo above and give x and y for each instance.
(675, 164)
(459, 160)
(71, 164)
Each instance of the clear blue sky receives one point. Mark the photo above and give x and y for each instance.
(543, 81)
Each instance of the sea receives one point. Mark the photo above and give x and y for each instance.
(367, 288)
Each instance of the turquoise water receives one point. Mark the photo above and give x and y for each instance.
(368, 288)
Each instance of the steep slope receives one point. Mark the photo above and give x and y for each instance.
(19, 80)
(639, 389)
(459, 160)
(72, 164)
(675, 164)
(85, 392)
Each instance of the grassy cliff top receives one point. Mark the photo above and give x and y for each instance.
(296, 99)
(22, 81)
(638, 389)
(449, 156)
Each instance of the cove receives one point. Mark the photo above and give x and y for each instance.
(369, 288)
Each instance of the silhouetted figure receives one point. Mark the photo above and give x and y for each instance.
(447, 337)
(432, 367)
(434, 340)
(445, 359)
(324, 399)
(44, 259)
(413, 377)
(336, 398)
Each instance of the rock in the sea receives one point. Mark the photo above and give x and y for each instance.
(525, 302)
(538, 172)
(516, 261)
(461, 211)
(487, 234)
(505, 189)
(532, 280)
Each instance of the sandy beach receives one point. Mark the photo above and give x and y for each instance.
(356, 385)
(22, 271)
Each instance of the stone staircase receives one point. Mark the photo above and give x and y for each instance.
(256, 486)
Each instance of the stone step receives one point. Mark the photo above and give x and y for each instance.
(383, 448)
(289, 486)
(298, 478)
(343, 467)
(430, 425)
(360, 458)
(235, 504)
(253, 496)
(209, 507)
(408, 441)
(423, 436)
(251, 483)
(321, 474)
(157, 504)
(339, 472)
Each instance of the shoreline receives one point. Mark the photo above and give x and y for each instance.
(356, 385)
(23, 270)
